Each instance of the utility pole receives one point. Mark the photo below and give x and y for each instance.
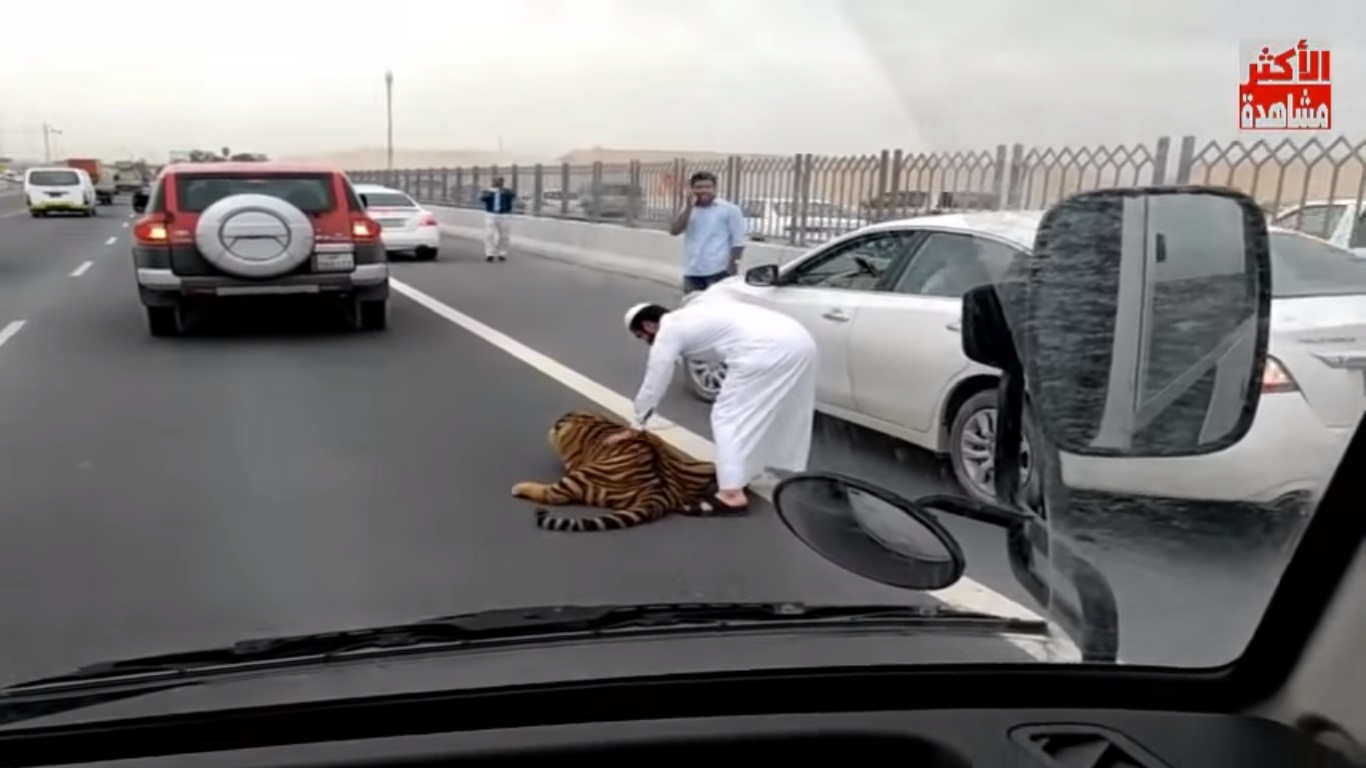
(48, 133)
(389, 114)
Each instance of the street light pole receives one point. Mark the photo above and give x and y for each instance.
(389, 114)
(48, 133)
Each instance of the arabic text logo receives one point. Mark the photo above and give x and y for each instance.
(1286, 88)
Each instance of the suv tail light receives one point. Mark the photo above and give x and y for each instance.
(426, 219)
(1276, 379)
(152, 229)
(364, 229)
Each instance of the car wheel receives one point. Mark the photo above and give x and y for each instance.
(426, 254)
(372, 315)
(163, 321)
(704, 379)
(972, 439)
(37, 214)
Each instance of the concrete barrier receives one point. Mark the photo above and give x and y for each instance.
(649, 254)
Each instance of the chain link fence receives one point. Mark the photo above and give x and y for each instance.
(1314, 185)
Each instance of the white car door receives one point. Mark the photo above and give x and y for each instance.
(905, 352)
(824, 292)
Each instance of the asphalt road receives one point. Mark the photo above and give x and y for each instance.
(275, 474)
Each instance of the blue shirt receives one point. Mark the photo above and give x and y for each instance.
(499, 201)
(712, 231)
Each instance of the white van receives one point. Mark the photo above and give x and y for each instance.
(59, 189)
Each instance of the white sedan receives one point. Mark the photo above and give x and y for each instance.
(405, 226)
(884, 305)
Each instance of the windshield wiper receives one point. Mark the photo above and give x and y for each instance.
(567, 621)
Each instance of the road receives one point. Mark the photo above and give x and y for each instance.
(276, 474)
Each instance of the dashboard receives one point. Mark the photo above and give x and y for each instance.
(922, 739)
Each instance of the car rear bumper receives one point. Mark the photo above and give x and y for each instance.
(162, 284)
(411, 239)
(58, 205)
(1287, 452)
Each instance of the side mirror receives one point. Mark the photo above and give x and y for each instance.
(869, 531)
(762, 275)
(140, 201)
(1145, 327)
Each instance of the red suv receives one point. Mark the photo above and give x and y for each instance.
(217, 230)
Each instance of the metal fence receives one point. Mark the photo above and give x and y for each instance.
(808, 198)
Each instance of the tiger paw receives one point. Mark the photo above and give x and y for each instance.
(526, 490)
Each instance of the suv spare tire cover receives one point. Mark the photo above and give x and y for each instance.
(251, 235)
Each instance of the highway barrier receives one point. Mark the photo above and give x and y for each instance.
(648, 254)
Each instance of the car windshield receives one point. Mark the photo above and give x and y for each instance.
(54, 179)
(388, 200)
(241, 399)
(1305, 267)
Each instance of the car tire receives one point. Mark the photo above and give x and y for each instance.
(164, 321)
(425, 254)
(973, 430)
(372, 315)
(37, 214)
(704, 379)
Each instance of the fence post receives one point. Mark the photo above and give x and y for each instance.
(516, 181)
(595, 190)
(884, 179)
(998, 179)
(1160, 153)
(1015, 193)
(635, 199)
(732, 174)
(1185, 163)
(537, 188)
(459, 186)
(564, 189)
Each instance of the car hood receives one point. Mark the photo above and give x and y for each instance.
(551, 663)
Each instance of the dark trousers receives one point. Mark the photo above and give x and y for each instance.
(693, 283)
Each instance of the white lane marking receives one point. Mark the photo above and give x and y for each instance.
(966, 594)
(111, 241)
(125, 225)
(8, 331)
(78, 271)
(15, 212)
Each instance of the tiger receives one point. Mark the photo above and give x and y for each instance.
(641, 479)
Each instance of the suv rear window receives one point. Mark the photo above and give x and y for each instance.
(54, 179)
(386, 200)
(309, 192)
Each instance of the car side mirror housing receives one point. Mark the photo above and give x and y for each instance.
(762, 275)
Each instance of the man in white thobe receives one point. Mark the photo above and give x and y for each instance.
(764, 412)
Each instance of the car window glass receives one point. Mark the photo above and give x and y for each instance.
(310, 193)
(1302, 266)
(1358, 233)
(54, 178)
(858, 265)
(949, 265)
(1316, 220)
(388, 200)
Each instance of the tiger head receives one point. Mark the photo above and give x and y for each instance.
(578, 430)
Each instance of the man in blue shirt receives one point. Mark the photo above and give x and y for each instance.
(497, 201)
(713, 234)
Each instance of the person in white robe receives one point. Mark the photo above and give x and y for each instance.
(763, 415)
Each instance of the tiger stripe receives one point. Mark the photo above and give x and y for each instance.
(639, 480)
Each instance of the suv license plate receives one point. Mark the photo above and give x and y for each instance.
(333, 262)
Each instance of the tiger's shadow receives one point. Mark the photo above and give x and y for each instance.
(639, 480)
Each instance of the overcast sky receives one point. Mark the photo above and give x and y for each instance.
(824, 76)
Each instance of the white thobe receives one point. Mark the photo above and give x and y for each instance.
(763, 415)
